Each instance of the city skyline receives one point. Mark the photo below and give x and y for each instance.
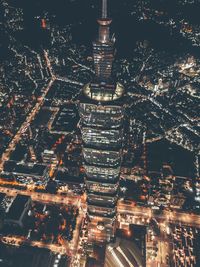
(99, 151)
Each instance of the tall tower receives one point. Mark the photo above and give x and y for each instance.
(102, 115)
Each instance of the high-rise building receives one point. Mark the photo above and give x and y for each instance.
(102, 116)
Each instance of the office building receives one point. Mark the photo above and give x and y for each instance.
(101, 111)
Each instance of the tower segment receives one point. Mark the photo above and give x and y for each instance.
(103, 48)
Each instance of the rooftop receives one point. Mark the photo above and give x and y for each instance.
(17, 207)
(25, 168)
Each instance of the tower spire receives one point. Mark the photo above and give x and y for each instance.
(104, 9)
(104, 22)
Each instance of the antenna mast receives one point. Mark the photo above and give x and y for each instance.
(104, 9)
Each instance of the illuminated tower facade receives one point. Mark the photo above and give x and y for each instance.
(102, 116)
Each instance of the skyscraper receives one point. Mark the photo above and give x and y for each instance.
(102, 115)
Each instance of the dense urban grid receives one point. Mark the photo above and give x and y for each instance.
(99, 142)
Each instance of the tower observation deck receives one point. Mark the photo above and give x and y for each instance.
(101, 109)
